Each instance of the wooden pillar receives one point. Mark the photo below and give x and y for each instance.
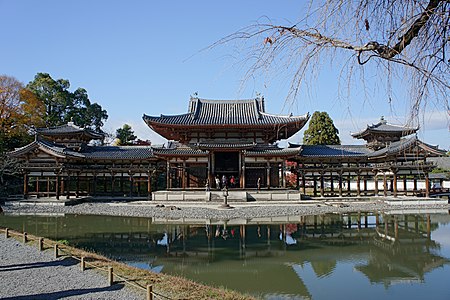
(169, 181)
(322, 185)
(48, 186)
(63, 186)
(25, 185)
(332, 183)
(283, 173)
(57, 186)
(95, 185)
(183, 176)
(385, 184)
(121, 183)
(37, 186)
(149, 185)
(68, 186)
(394, 183)
(340, 183)
(315, 185)
(405, 185)
(349, 187)
(365, 184)
(358, 183)
(243, 175)
(427, 185)
(375, 178)
(105, 189)
(131, 184)
(77, 192)
(303, 183)
(268, 174)
(113, 181)
(415, 184)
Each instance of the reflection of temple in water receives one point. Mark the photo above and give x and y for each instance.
(258, 256)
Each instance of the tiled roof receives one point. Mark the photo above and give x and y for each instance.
(89, 152)
(69, 128)
(394, 147)
(226, 112)
(181, 150)
(118, 152)
(59, 150)
(272, 150)
(334, 150)
(384, 127)
(225, 145)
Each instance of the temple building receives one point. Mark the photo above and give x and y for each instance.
(224, 142)
(227, 140)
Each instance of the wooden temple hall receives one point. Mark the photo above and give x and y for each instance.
(224, 142)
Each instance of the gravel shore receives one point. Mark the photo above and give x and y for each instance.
(207, 210)
(27, 273)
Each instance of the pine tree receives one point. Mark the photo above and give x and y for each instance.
(321, 131)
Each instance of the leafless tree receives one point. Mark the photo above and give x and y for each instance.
(406, 39)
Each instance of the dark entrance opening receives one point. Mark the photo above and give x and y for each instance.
(227, 164)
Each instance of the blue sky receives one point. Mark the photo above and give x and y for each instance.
(136, 57)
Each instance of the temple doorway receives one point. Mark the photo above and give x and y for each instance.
(227, 164)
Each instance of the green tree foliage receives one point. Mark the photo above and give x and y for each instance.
(62, 106)
(321, 131)
(125, 135)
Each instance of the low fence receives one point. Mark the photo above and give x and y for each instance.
(60, 250)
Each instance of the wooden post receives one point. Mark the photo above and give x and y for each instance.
(315, 186)
(24, 237)
(149, 292)
(55, 250)
(358, 183)
(57, 186)
(149, 185)
(427, 185)
(41, 244)
(6, 232)
(25, 186)
(322, 185)
(385, 184)
(68, 186)
(405, 186)
(394, 183)
(131, 184)
(82, 264)
(77, 192)
(375, 178)
(303, 183)
(37, 187)
(340, 183)
(110, 276)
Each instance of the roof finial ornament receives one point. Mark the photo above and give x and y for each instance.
(382, 120)
(70, 123)
(194, 95)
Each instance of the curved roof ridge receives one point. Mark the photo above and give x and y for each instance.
(304, 116)
(226, 100)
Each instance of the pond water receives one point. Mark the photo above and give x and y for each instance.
(351, 256)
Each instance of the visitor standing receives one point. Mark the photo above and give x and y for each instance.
(217, 182)
(224, 181)
(232, 181)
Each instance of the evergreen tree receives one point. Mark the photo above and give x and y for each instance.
(62, 106)
(321, 131)
(125, 135)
